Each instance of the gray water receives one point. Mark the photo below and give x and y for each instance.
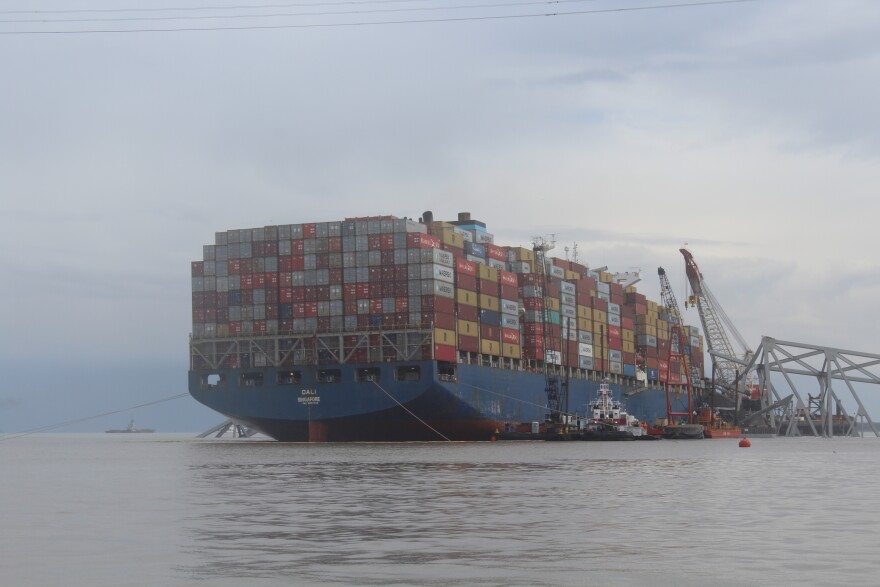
(111, 510)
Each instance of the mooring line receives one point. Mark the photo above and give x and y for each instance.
(440, 434)
(12, 435)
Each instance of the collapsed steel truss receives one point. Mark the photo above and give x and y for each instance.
(821, 414)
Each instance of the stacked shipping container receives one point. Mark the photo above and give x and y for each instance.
(383, 273)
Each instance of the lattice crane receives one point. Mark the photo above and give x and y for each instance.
(679, 347)
(556, 387)
(717, 325)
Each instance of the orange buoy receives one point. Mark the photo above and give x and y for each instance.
(744, 443)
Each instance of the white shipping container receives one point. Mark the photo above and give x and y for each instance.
(442, 273)
(614, 319)
(585, 350)
(615, 367)
(602, 287)
(465, 234)
(509, 321)
(585, 337)
(556, 271)
(567, 288)
(567, 311)
(509, 307)
(613, 308)
(553, 357)
(442, 289)
(585, 363)
(484, 238)
(497, 264)
(443, 257)
(521, 267)
(615, 356)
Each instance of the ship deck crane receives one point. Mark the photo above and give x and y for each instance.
(717, 325)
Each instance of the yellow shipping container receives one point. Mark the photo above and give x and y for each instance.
(468, 328)
(631, 289)
(585, 324)
(628, 335)
(585, 312)
(489, 302)
(650, 318)
(600, 316)
(522, 254)
(468, 298)
(438, 227)
(572, 275)
(605, 277)
(489, 273)
(551, 304)
(443, 336)
(662, 325)
(652, 306)
(662, 334)
(453, 239)
(511, 351)
(490, 347)
(629, 346)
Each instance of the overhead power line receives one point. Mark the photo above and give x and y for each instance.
(379, 23)
(293, 14)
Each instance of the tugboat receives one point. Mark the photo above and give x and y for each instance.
(129, 430)
(608, 420)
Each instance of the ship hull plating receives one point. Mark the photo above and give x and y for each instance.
(474, 404)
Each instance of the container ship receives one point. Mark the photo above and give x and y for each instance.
(391, 329)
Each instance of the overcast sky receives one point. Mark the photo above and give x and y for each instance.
(748, 130)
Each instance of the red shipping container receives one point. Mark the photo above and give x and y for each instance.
(469, 313)
(235, 328)
(508, 292)
(334, 244)
(488, 332)
(233, 266)
(259, 327)
(509, 336)
(247, 282)
(531, 279)
(489, 288)
(466, 282)
(444, 352)
(400, 273)
(335, 276)
(495, 252)
(401, 304)
(626, 323)
(386, 243)
(629, 358)
(534, 304)
(247, 297)
(247, 266)
(614, 331)
(470, 344)
(615, 343)
(506, 278)
(465, 267)
(533, 328)
(271, 280)
(198, 269)
(309, 230)
(297, 247)
(286, 296)
(415, 240)
(311, 309)
(443, 320)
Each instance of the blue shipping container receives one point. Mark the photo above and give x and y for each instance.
(629, 370)
(475, 249)
(653, 374)
(490, 318)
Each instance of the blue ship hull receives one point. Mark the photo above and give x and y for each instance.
(475, 404)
